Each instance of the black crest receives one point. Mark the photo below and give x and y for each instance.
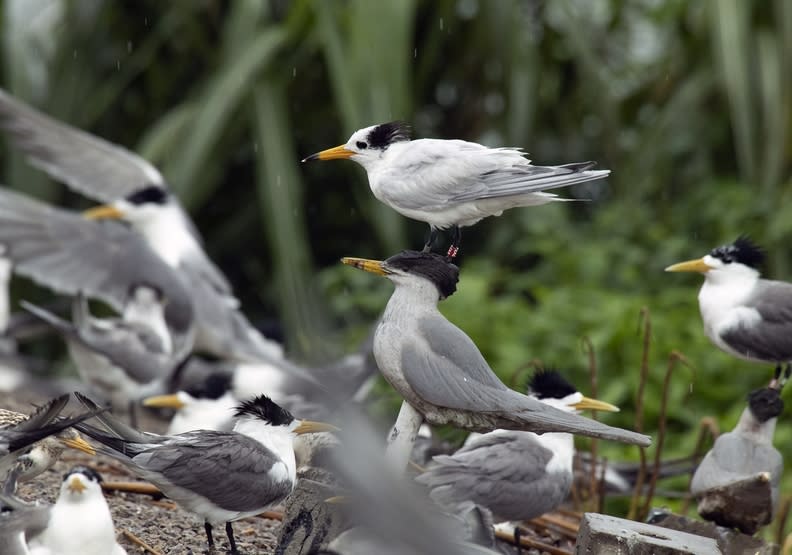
(385, 134)
(743, 251)
(213, 387)
(765, 403)
(432, 266)
(89, 473)
(266, 409)
(549, 384)
(148, 195)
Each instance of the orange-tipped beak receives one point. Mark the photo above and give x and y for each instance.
(373, 266)
(337, 153)
(103, 212)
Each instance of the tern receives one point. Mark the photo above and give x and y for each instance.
(437, 368)
(516, 475)
(135, 191)
(745, 452)
(123, 359)
(44, 422)
(205, 405)
(218, 476)
(451, 183)
(43, 454)
(20, 522)
(743, 314)
(79, 521)
(101, 260)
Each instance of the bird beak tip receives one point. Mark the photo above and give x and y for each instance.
(697, 265)
(80, 445)
(163, 401)
(595, 404)
(373, 266)
(311, 427)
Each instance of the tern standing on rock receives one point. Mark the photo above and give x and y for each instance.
(744, 315)
(440, 372)
(451, 183)
(218, 476)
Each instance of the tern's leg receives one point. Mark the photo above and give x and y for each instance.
(230, 534)
(517, 534)
(430, 239)
(209, 539)
(456, 240)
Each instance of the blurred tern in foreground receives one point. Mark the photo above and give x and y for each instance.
(136, 192)
(516, 475)
(744, 315)
(451, 183)
(42, 454)
(41, 424)
(79, 521)
(125, 359)
(101, 260)
(20, 522)
(440, 372)
(218, 476)
(745, 453)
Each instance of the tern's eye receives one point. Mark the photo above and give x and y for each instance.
(361, 145)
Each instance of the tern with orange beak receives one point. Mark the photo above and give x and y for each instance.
(516, 475)
(438, 369)
(743, 314)
(451, 183)
(134, 191)
(218, 476)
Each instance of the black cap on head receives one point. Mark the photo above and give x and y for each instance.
(151, 194)
(432, 266)
(266, 409)
(385, 134)
(213, 387)
(743, 251)
(88, 472)
(549, 384)
(765, 403)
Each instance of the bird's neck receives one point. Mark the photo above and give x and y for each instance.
(411, 300)
(722, 291)
(167, 232)
(563, 446)
(153, 317)
(762, 432)
(277, 439)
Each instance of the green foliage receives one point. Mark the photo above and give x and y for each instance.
(688, 103)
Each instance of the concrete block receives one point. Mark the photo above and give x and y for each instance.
(606, 535)
(746, 505)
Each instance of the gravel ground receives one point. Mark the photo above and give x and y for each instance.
(164, 527)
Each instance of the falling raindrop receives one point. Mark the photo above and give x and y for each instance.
(441, 23)
(129, 46)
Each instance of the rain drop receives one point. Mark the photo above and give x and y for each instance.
(441, 23)
(129, 46)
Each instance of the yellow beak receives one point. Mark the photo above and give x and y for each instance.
(337, 500)
(163, 401)
(311, 427)
(80, 444)
(76, 485)
(337, 153)
(594, 404)
(373, 266)
(697, 265)
(103, 212)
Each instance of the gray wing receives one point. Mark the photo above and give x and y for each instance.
(227, 468)
(504, 472)
(448, 370)
(88, 164)
(732, 458)
(102, 259)
(772, 340)
(520, 180)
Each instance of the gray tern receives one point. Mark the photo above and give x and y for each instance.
(516, 475)
(437, 368)
(136, 192)
(218, 476)
(743, 314)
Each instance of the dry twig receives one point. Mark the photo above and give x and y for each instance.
(134, 539)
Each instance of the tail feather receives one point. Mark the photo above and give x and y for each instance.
(119, 429)
(112, 446)
(29, 437)
(44, 414)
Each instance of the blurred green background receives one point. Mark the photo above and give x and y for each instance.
(688, 103)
